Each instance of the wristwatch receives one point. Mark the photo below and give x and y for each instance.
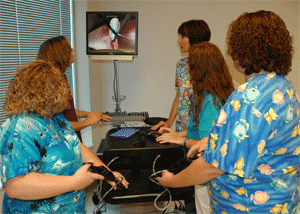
(185, 141)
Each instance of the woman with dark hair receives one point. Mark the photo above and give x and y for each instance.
(212, 85)
(59, 52)
(190, 32)
(252, 153)
(41, 156)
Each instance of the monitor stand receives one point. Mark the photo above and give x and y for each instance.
(117, 98)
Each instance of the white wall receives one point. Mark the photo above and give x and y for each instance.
(82, 65)
(148, 80)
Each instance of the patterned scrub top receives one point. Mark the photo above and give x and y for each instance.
(33, 144)
(255, 139)
(182, 83)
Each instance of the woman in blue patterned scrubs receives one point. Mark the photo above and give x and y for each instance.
(252, 153)
(41, 155)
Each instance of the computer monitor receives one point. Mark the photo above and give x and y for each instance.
(112, 33)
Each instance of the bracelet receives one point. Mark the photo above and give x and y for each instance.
(185, 141)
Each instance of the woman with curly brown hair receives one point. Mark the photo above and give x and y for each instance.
(41, 155)
(252, 153)
(212, 85)
(59, 52)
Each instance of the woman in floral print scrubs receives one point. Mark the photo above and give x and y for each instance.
(190, 32)
(41, 155)
(252, 152)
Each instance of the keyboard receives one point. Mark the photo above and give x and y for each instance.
(125, 116)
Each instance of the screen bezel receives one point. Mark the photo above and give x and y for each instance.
(109, 51)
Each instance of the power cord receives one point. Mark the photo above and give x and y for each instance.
(166, 189)
(179, 207)
(99, 206)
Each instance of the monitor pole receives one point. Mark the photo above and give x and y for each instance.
(117, 96)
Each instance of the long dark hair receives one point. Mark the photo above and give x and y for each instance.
(57, 51)
(208, 73)
(195, 30)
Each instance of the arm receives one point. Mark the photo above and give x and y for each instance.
(86, 114)
(164, 129)
(81, 114)
(92, 118)
(170, 136)
(172, 115)
(191, 142)
(35, 186)
(174, 110)
(77, 126)
(202, 172)
(178, 138)
(197, 146)
(89, 156)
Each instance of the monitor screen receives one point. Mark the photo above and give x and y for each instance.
(112, 33)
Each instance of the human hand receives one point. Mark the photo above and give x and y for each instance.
(120, 177)
(83, 177)
(94, 117)
(160, 124)
(166, 179)
(105, 118)
(165, 129)
(170, 138)
(197, 148)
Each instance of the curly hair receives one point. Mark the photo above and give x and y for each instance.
(195, 30)
(260, 41)
(208, 73)
(38, 87)
(57, 51)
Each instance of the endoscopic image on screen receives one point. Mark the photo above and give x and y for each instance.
(111, 33)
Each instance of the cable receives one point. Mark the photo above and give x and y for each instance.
(101, 182)
(155, 201)
(166, 189)
(97, 208)
(112, 161)
(153, 166)
(116, 92)
(110, 190)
